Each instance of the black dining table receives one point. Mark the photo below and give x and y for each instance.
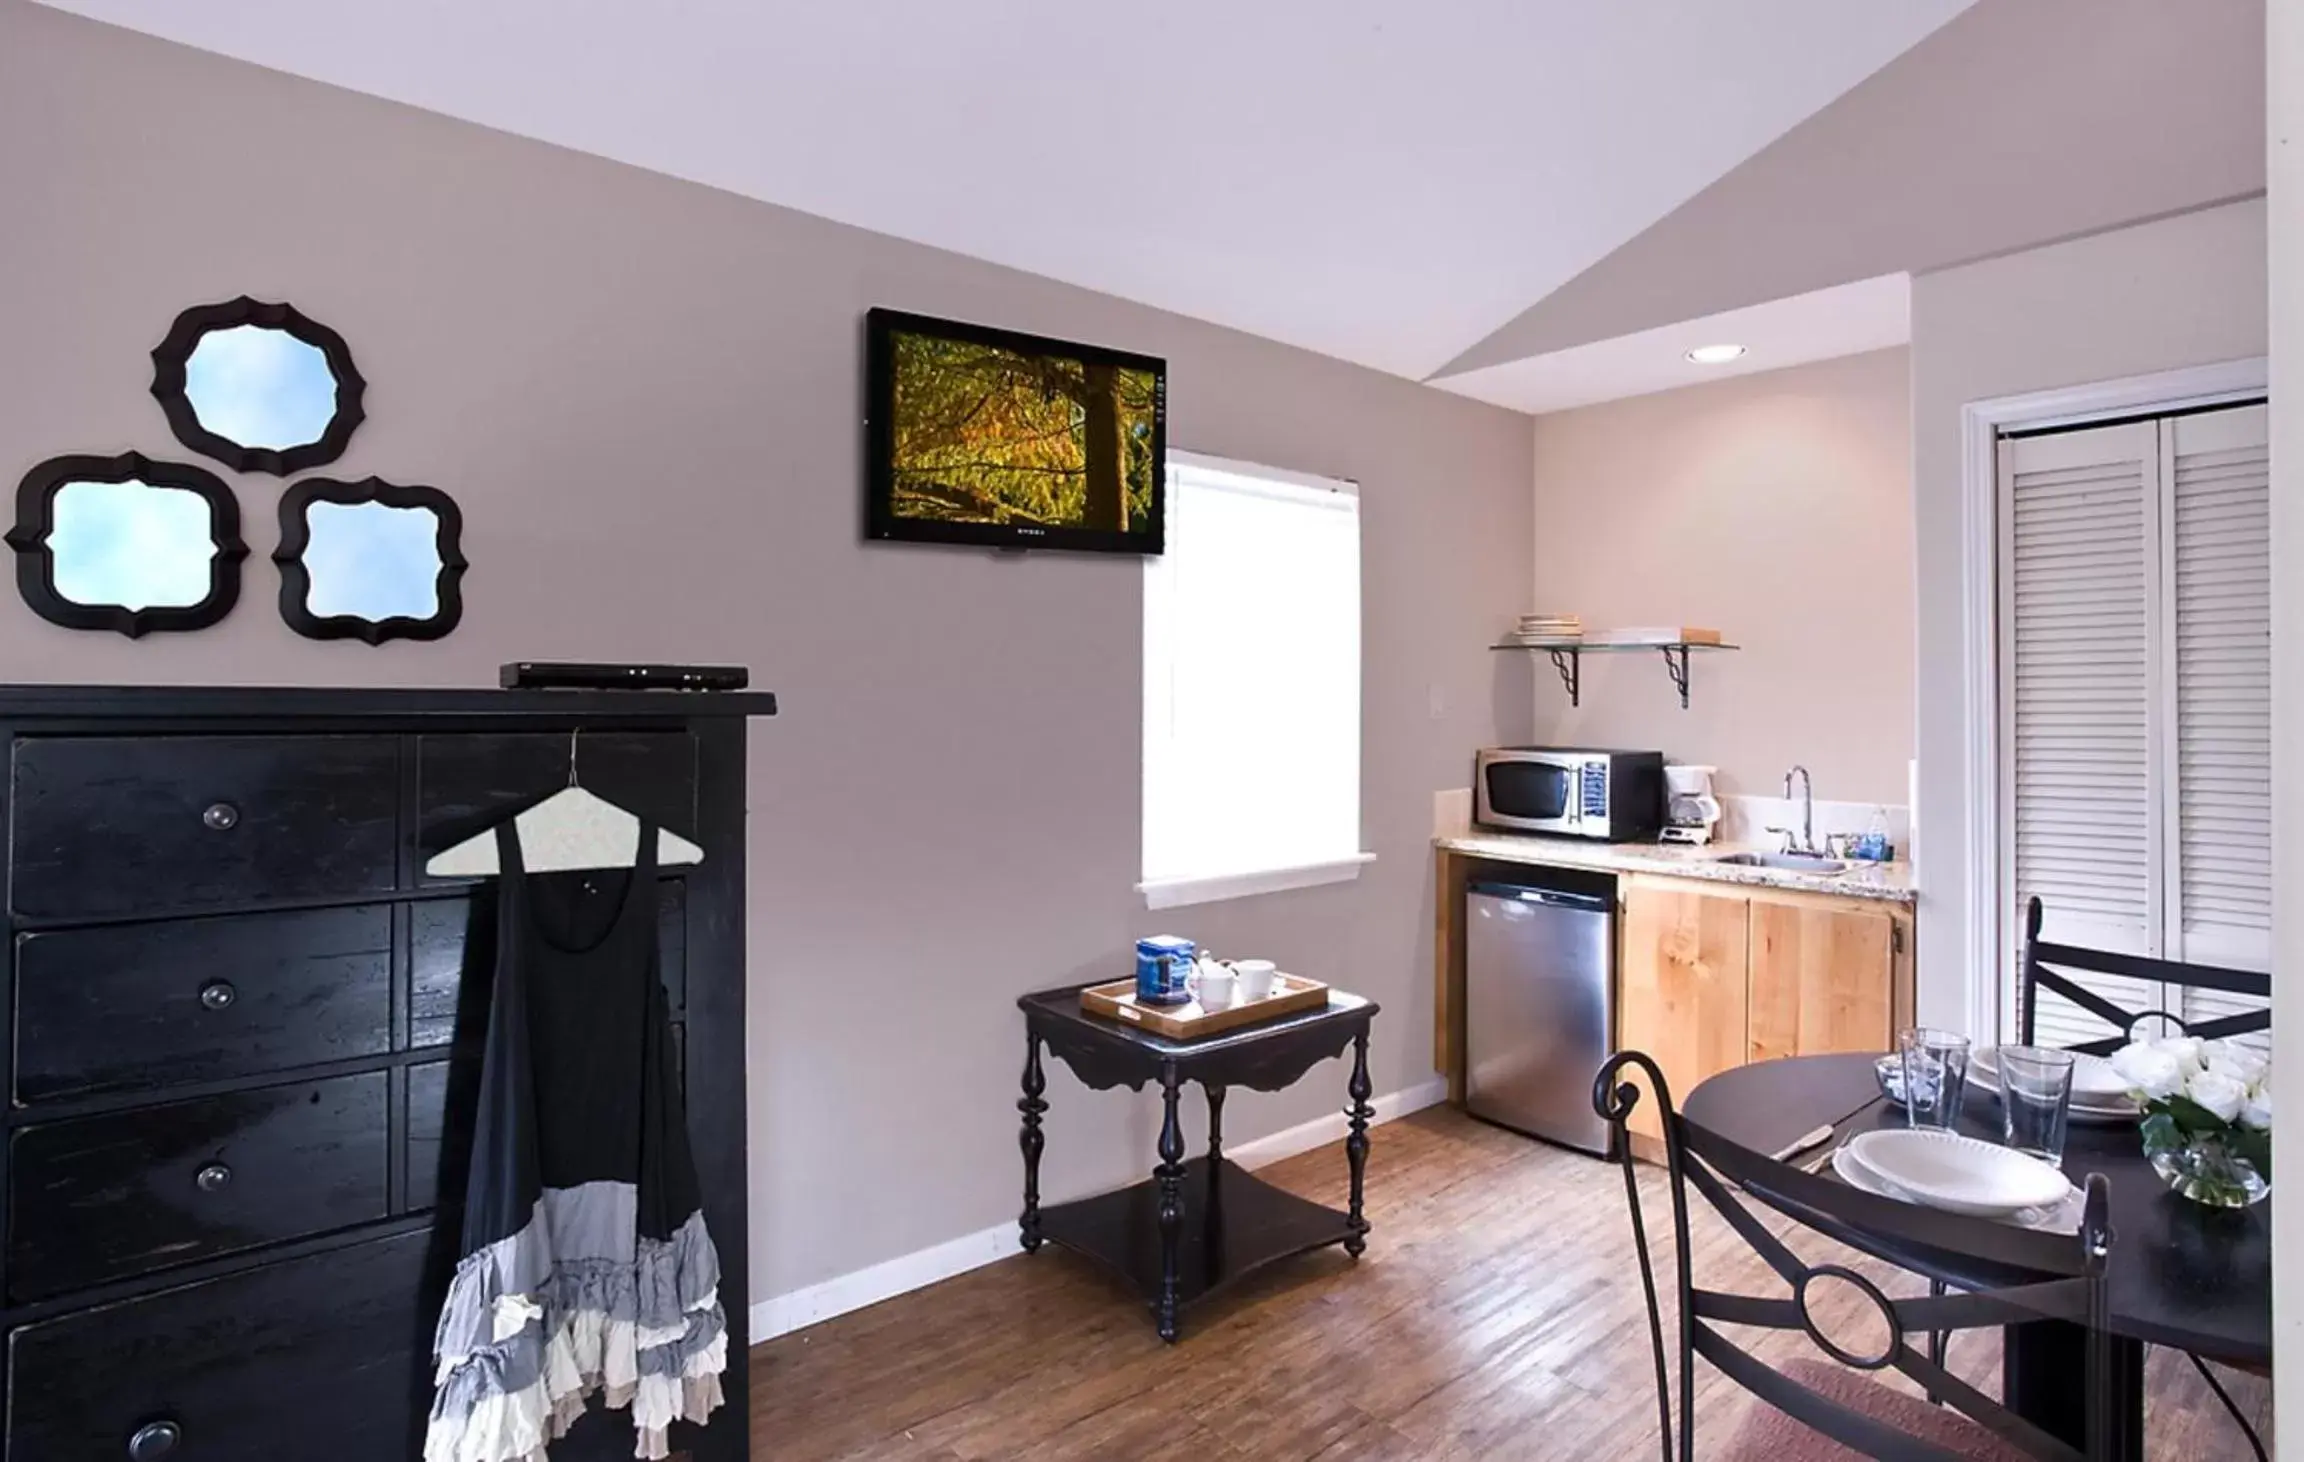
(2180, 1274)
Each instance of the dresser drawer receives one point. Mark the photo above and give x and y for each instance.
(137, 1006)
(322, 1357)
(140, 825)
(100, 1198)
(443, 1099)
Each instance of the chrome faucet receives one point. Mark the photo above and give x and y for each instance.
(1806, 842)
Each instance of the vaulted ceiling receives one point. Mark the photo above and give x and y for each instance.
(1463, 187)
(2020, 123)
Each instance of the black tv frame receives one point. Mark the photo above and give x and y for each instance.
(881, 523)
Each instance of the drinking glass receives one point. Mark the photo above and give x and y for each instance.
(2035, 1100)
(1935, 1076)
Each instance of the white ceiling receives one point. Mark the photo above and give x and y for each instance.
(1871, 314)
(2014, 125)
(1384, 182)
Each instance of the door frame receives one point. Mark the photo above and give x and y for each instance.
(1987, 927)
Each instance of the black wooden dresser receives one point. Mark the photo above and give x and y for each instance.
(246, 1028)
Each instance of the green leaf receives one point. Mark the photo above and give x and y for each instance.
(2193, 1117)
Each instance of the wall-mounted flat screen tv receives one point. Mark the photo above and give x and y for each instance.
(976, 435)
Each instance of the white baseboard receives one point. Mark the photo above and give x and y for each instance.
(800, 1308)
(1321, 1131)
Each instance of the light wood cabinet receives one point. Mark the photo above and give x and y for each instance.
(1823, 978)
(1684, 985)
(1710, 975)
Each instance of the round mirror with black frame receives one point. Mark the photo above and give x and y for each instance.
(369, 560)
(259, 387)
(127, 544)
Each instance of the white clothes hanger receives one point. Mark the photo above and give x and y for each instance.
(570, 830)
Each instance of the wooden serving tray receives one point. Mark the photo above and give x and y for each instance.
(1188, 1022)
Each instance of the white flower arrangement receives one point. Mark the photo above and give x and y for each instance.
(2206, 1103)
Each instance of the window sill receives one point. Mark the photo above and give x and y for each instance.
(1173, 893)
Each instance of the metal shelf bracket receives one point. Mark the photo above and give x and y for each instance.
(1570, 664)
(1676, 666)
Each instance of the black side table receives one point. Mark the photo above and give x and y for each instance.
(1244, 1223)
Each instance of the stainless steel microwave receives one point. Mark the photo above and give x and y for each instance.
(1616, 796)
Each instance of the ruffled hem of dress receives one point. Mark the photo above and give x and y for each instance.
(478, 1417)
(496, 1289)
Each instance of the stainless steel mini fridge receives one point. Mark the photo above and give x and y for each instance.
(1538, 1008)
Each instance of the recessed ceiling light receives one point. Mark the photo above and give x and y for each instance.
(1715, 354)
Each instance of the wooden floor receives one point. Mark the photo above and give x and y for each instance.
(1496, 1315)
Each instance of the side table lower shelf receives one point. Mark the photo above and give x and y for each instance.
(1234, 1223)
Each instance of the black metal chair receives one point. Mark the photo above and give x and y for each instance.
(1999, 1275)
(2042, 969)
(2044, 962)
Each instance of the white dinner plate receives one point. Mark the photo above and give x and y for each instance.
(2056, 1218)
(2099, 1100)
(2095, 1081)
(1959, 1174)
(2090, 1110)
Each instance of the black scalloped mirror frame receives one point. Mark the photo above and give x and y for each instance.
(36, 565)
(170, 356)
(296, 580)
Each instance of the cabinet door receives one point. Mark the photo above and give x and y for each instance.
(1822, 979)
(1684, 986)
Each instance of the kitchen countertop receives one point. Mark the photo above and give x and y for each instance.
(1889, 882)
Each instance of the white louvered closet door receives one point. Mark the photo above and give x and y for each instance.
(2079, 620)
(2136, 701)
(2220, 598)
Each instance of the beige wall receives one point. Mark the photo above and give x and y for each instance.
(1774, 507)
(645, 393)
(2178, 292)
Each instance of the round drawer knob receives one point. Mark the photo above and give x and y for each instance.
(214, 1178)
(218, 995)
(220, 817)
(154, 1440)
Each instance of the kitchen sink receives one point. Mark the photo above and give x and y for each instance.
(1789, 862)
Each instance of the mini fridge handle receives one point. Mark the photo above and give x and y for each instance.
(1555, 898)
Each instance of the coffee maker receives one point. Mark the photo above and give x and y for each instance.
(1691, 812)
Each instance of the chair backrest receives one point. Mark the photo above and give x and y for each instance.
(2044, 965)
(1995, 1274)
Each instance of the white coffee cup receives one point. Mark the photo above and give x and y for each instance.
(1214, 986)
(1258, 978)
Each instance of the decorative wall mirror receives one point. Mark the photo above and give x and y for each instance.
(370, 561)
(258, 387)
(127, 544)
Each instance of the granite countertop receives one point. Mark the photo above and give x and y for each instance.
(1891, 882)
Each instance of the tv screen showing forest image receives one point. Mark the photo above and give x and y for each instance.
(986, 436)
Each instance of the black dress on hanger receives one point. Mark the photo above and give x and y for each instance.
(586, 1265)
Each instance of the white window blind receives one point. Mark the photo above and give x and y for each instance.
(2135, 682)
(1251, 684)
(2222, 590)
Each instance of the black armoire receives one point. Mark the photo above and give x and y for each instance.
(246, 1031)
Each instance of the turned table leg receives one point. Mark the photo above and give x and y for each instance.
(1356, 1145)
(1170, 1175)
(1030, 1140)
(1215, 1129)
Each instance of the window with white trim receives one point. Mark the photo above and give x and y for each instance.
(1251, 684)
(2136, 679)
